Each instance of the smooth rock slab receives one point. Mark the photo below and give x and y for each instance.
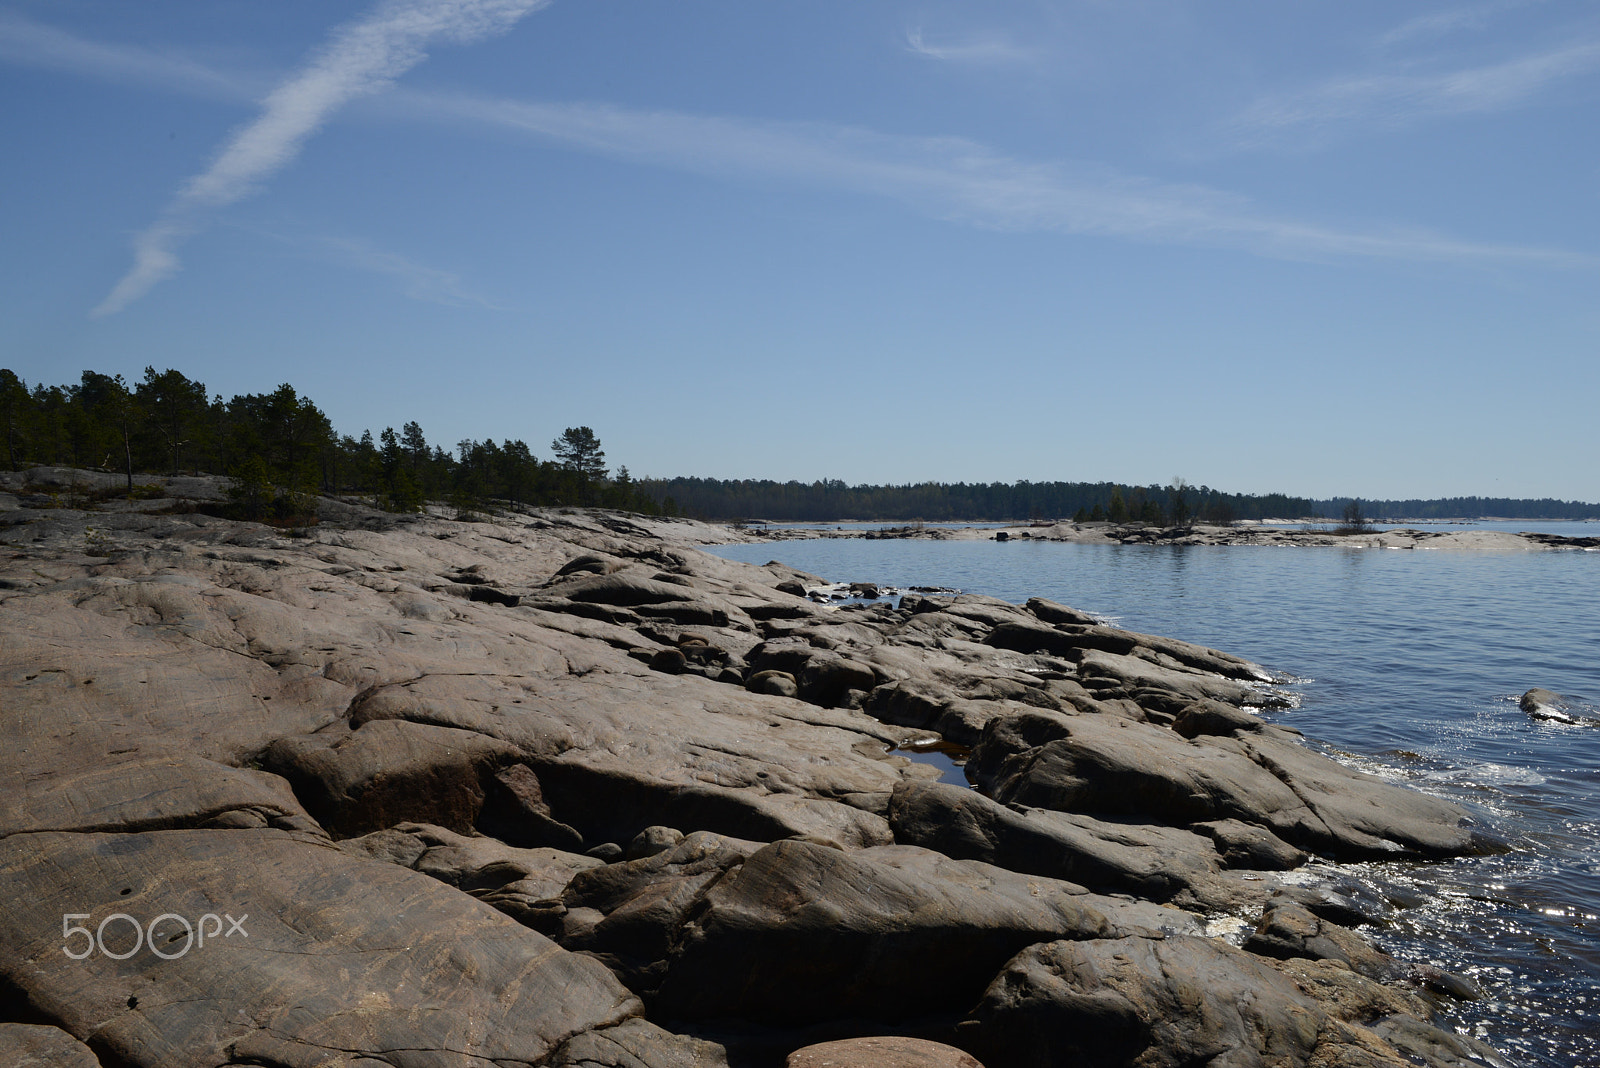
(338, 953)
(144, 794)
(38, 1046)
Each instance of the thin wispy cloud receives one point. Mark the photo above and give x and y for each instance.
(359, 59)
(24, 42)
(984, 48)
(1442, 23)
(955, 179)
(1390, 101)
(418, 281)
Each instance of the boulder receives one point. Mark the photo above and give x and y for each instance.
(910, 702)
(618, 750)
(636, 1043)
(1288, 930)
(1250, 846)
(628, 914)
(776, 683)
(390, 771)
(881, 1052)
(1546, 705)
(490, 595)
(822, 676)
(525, 884)
(612, 801)
(1422, 1042)
(1051, 612)
(687, 613)
(1206, 716)
(1133, 672)
(652, 840)
(589, 563)
(516, 812)
(1104, 766)
(626, 589)
(1365, 816)
(1159, 1002)
(1156, 863)
(803, 933)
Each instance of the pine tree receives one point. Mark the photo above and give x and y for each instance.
(1118, 511)
(174, 405)
(14, 411)
(579, 452)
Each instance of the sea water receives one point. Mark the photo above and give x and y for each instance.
(1407, 664)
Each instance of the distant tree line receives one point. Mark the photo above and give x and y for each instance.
(1462, 508)
(281, 449)
(937, 502)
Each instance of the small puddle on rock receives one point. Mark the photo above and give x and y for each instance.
(948, 757)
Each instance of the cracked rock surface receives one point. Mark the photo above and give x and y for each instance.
(556, 788)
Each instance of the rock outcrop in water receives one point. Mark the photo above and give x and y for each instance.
(559, 789)
(1269, 532)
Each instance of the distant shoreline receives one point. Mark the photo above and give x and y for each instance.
(1009, 523)
(1254, 533)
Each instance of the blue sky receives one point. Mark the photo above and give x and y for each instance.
(1320, 248)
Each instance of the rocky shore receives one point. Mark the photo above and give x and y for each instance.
(555, 788)
(1202, 534)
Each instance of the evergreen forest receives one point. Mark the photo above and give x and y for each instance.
(282, 451)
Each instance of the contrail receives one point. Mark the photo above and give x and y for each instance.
(359, 59)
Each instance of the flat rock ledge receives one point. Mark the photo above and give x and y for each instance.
(557, 789)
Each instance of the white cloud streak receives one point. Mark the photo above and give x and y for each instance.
(24, 42)
(978, 49)
(359, 59)
(1441, 23)
(953, 179)
(419, 281)
(948, 178)
(1393, 100)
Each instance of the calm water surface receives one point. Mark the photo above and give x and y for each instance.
(1407, 663)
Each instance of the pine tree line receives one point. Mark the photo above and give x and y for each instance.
(281, 449)
(937, 502)
(1463, 508)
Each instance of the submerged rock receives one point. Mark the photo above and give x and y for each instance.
(1546, 705)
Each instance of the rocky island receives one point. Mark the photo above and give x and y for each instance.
(554, 788)
(1271, 533)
